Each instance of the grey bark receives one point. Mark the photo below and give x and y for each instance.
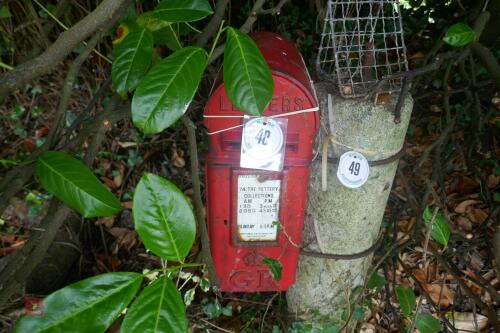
(342, 220)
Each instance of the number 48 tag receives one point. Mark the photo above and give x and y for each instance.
(353, 169)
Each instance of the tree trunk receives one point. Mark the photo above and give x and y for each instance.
(341, 220)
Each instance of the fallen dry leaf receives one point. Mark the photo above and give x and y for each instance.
(493, 181)
(127, 240)
(29, 144)
(117, 180)
(108, 182)
(420, 275)
(127, 204)
(439, 293)
(41, 132)
(462, 207)
(107, 221)
(466, 321)
(467, 185)
(464, 223)
(177, 158)
(477, 216)
(383, 99)
(127, 144)
(436, 109)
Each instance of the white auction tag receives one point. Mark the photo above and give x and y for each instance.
(353, 169)
(258, 208)
(262, 144)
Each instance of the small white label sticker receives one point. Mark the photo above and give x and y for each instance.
(263, 144)
(258, 208)
(353, 169)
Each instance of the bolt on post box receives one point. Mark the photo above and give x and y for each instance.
(255, 214)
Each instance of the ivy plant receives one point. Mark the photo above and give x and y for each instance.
(162, 90)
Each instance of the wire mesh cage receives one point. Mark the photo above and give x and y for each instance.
(361, 44)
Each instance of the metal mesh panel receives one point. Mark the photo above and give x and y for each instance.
(362, 43)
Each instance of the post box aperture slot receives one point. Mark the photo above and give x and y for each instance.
(257, 211)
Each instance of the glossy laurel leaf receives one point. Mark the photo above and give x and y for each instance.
(427, 323)
(183, 10)
(167, 36)
(159, 308)
(73, 183)
(459, 34)
(247, 78)
(133, 56)
(90, 305)
(166, 91)
(163, 218)
(407, 299)
(441, 231)
(150, 21)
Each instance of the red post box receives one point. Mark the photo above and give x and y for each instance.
(243, 205)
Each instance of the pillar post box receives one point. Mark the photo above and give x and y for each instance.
(255, 214)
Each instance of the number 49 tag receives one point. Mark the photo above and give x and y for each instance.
(353, 169)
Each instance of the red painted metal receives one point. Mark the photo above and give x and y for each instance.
(239, 264)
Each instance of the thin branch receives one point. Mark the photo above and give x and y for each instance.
(247, 26)
(205, 255)
(211, 28)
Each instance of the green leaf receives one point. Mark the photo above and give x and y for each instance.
(274, 266)
(359, 313)
(189, 296)
(73, 183)
(168, 37)
(427, 323)
(165, 93)
(441, 231)
(183, 10)
(227, 311)
(133, 56)
(407, 299)
(90, 305)
(163, 218)
(149, 20)
(5, 12)
(459, 34)
(159, 308)
(205, 285)
(247, 78)
(376, 281)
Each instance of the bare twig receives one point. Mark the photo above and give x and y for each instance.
(252, 17)
(211, 28)
(205, 255)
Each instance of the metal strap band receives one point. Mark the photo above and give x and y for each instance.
(353, 256)
(292, 113)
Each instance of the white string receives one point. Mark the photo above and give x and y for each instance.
(315, 109)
